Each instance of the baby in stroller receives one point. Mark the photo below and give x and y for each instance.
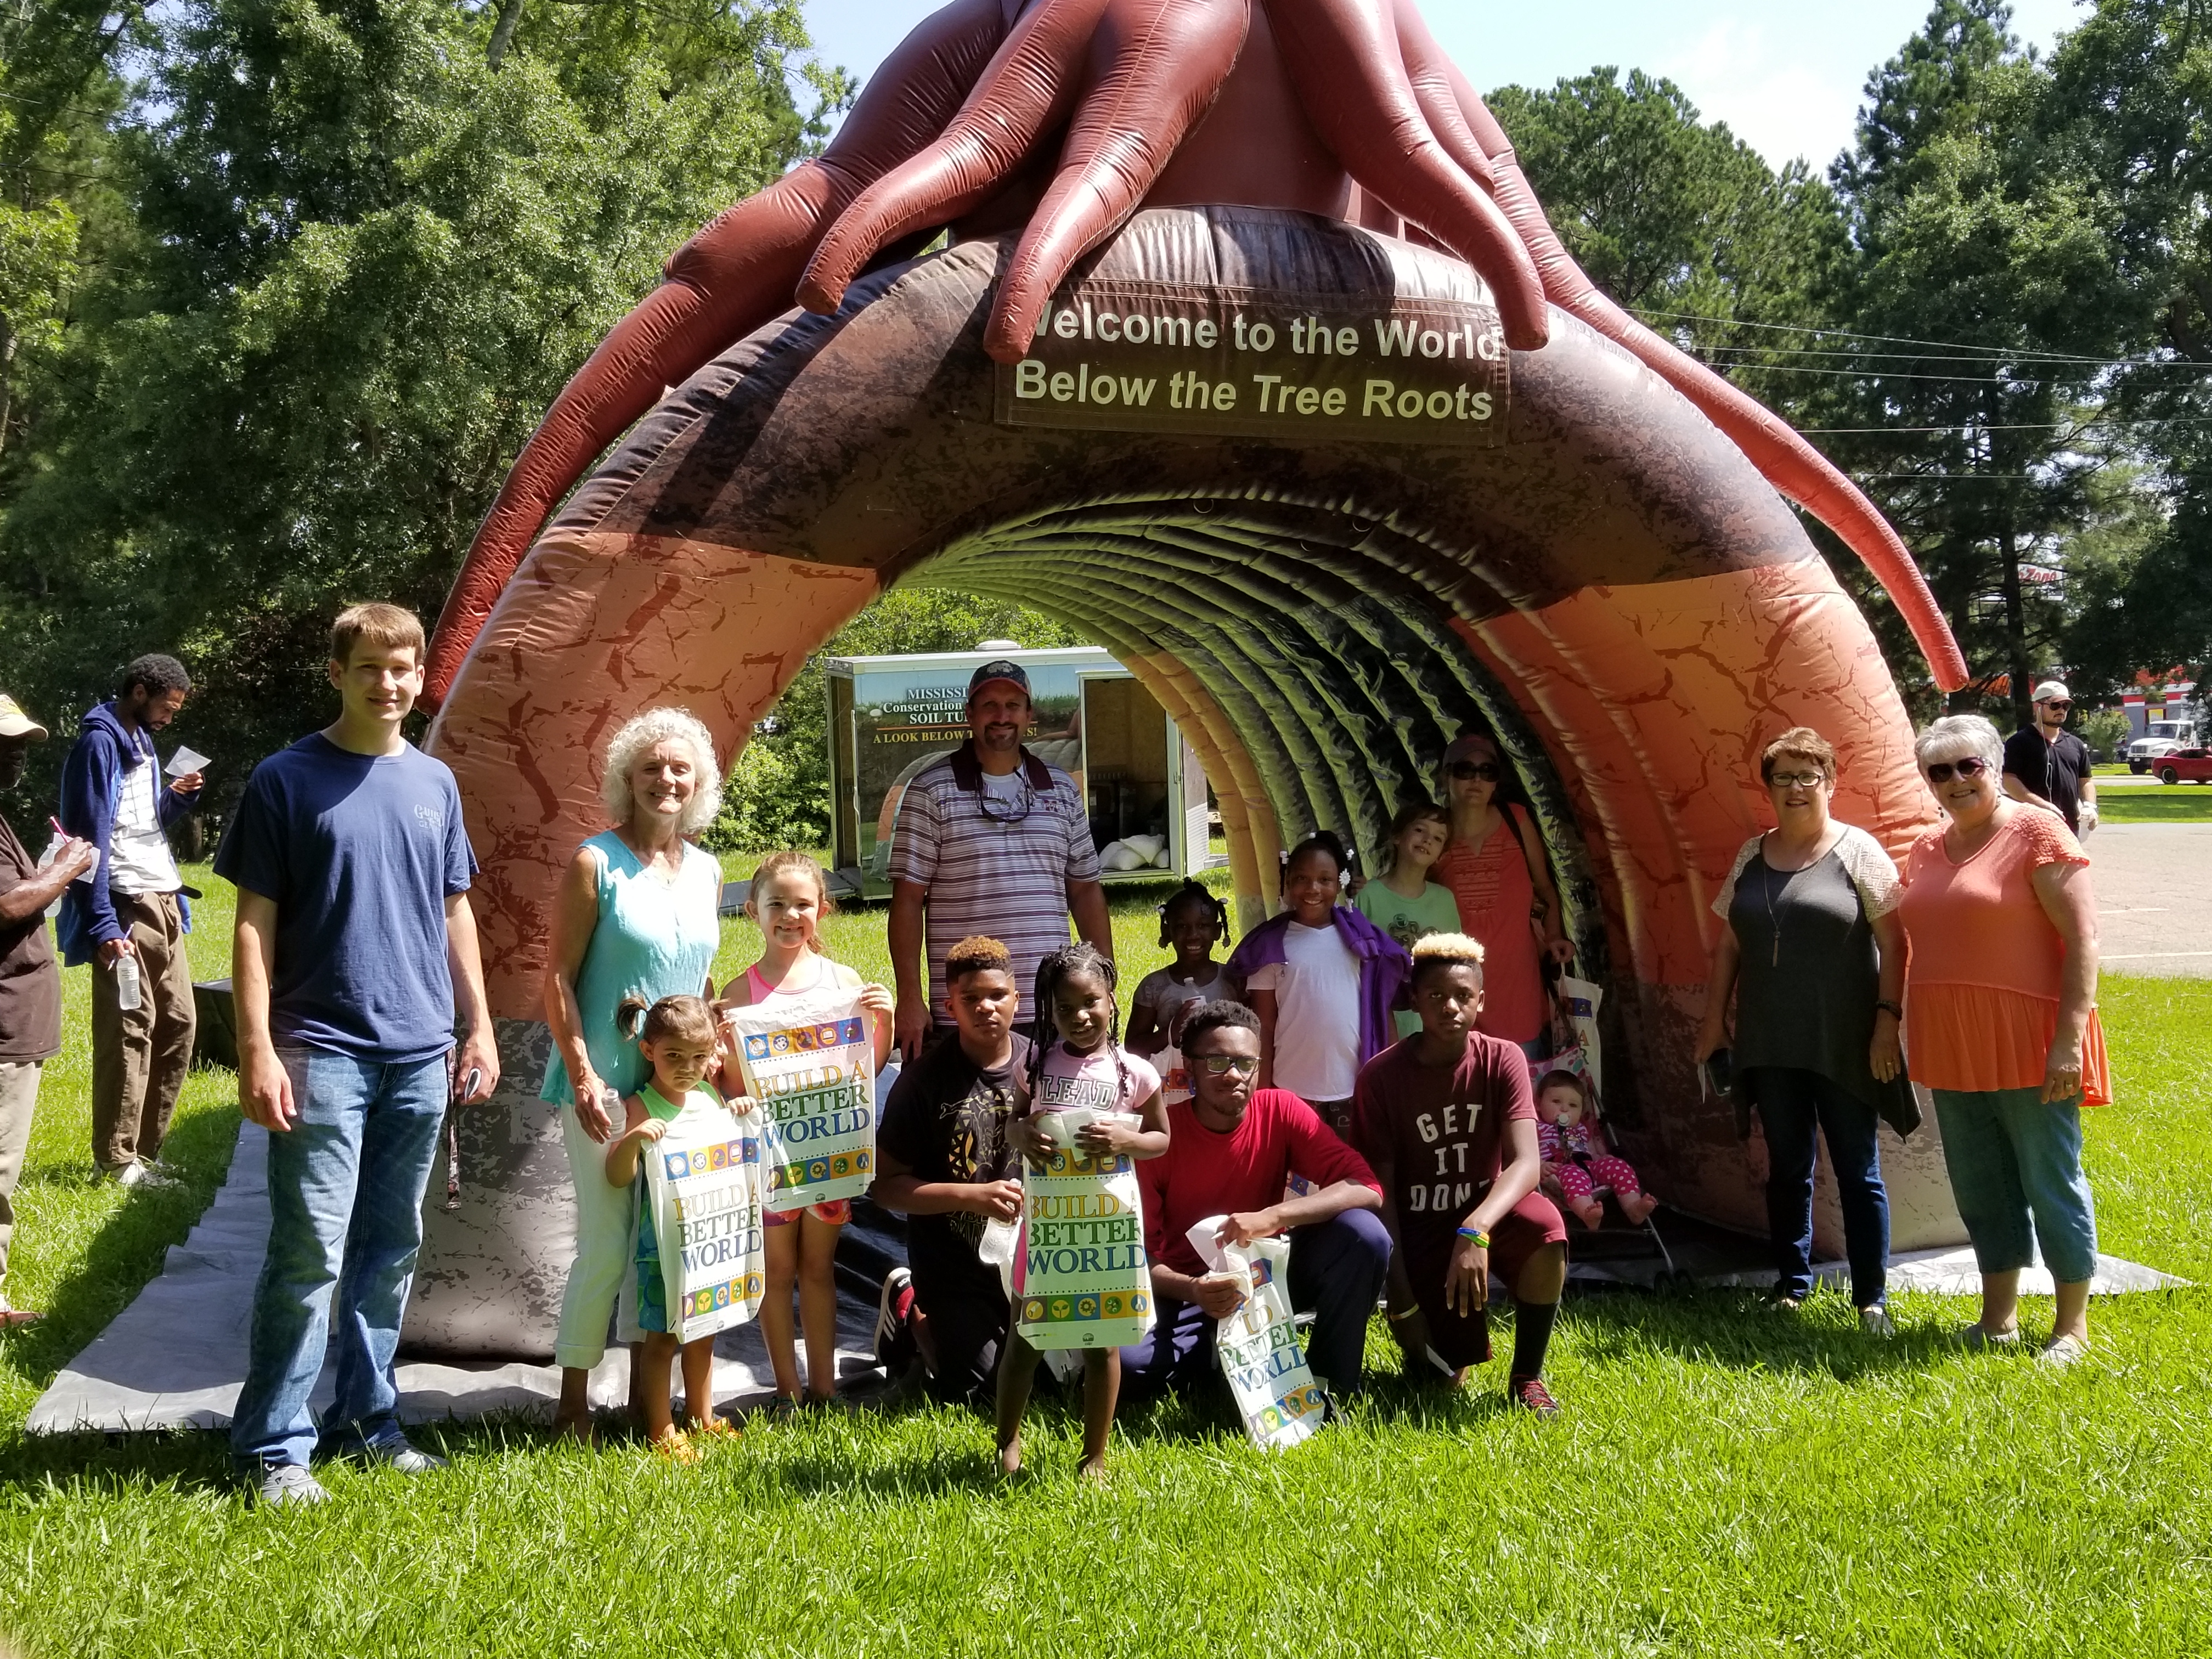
(1579, 1163)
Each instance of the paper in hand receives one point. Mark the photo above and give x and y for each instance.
(184, 763)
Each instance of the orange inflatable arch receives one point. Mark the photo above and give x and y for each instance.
(1601, 577)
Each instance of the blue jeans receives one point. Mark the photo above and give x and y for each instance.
(2012, 1158)
(1793, 1105)
(345, 1196)
(1337, 1270)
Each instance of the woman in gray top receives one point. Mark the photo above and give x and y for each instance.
(1815, 959)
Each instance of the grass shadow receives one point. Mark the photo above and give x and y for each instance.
(1736, 1330)
(77, 1465)
(122, 1251)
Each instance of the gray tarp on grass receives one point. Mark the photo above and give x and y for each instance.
(176, 1357)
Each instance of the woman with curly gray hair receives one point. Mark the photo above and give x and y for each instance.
(638, 913)
(2000, 1023)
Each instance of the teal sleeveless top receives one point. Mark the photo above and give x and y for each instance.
(655, 937)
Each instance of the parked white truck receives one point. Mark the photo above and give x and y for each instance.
(2183, 727)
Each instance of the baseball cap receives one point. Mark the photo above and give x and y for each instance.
(999, 668)
(2050, 689)
(15, 723)
(1471, 746)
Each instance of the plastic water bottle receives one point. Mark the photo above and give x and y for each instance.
(126, 983)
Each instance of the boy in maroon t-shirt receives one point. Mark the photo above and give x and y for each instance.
(1448, 1121)
(1230, 1147)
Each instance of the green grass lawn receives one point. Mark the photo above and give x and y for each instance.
(2181, 803)
(1721, 1483)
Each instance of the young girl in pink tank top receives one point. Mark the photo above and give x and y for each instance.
(790, 896)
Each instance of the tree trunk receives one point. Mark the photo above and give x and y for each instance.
(510, 14)
(2015, 616)
(8, 338)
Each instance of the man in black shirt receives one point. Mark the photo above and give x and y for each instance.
(945, 1160)
(2045, 763)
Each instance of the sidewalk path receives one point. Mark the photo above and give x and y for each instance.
(2154, 897)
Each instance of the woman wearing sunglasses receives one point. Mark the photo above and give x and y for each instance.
(1814, 959)
(2001, 1007)
(1494, 866)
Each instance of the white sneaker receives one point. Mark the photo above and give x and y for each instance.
(289, 1486)
(1876, 1321)
(140, 1175)
(2061, 1352)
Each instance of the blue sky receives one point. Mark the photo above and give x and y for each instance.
(1785, 77)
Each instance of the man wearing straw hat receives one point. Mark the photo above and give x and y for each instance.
(30, 983)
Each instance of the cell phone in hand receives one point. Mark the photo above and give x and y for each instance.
(1720, 1071)
(469, 1084)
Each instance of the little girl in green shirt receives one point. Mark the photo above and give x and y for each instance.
(1403, 902)
(678, 1039)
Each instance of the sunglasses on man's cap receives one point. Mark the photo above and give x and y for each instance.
(1012, 672)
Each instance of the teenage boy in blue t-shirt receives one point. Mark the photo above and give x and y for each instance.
(355, 942)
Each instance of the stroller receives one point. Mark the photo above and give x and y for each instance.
(1627, 1228)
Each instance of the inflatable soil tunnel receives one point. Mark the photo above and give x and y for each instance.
(1287, 470)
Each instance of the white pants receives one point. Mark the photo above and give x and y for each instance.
(601, 1267)
(19, 1097)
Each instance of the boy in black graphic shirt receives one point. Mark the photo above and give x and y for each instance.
(946, 1162)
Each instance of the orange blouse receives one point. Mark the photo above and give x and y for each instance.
(1495, 893)
(1985, 965)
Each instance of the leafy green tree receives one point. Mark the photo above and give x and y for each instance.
(366, 259)
(2132, 99)
(1975, 227)
(1681, 222)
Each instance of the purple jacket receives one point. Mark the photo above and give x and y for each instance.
(1384, 966)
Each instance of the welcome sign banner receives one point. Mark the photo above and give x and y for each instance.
(702, 1180)
(809, 1063)
(1257, 1346)
(1084, 1281)
(1126, 355)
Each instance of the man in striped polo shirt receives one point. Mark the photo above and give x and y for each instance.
(989, 840)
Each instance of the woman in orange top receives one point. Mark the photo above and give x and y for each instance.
(2000, 1023)
(1494, 866)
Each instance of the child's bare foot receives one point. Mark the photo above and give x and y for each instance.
(673, 1444)
(577, 1430)
(1638, 1208)
(1093, 1468)
(717, 1428)
(1592, 1213)
(1010, 1457)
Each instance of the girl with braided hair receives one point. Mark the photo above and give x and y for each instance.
(1074, 1061)
(1192, 922)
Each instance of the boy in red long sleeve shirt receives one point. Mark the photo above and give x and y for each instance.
(1230, 1148)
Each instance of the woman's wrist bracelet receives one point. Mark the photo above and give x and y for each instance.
(1889, 1008)
(1394, 1317)
(1475, 1237)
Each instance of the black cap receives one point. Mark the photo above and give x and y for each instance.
(999, 668)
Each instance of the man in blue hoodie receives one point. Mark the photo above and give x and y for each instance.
(133, 906)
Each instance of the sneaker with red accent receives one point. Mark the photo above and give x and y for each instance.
(895, 1320)
(1529, 1394)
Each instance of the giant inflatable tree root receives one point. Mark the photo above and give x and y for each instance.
(1064, 117)
(1612, 587)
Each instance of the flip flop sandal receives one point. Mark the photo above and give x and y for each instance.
(676, 1447)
